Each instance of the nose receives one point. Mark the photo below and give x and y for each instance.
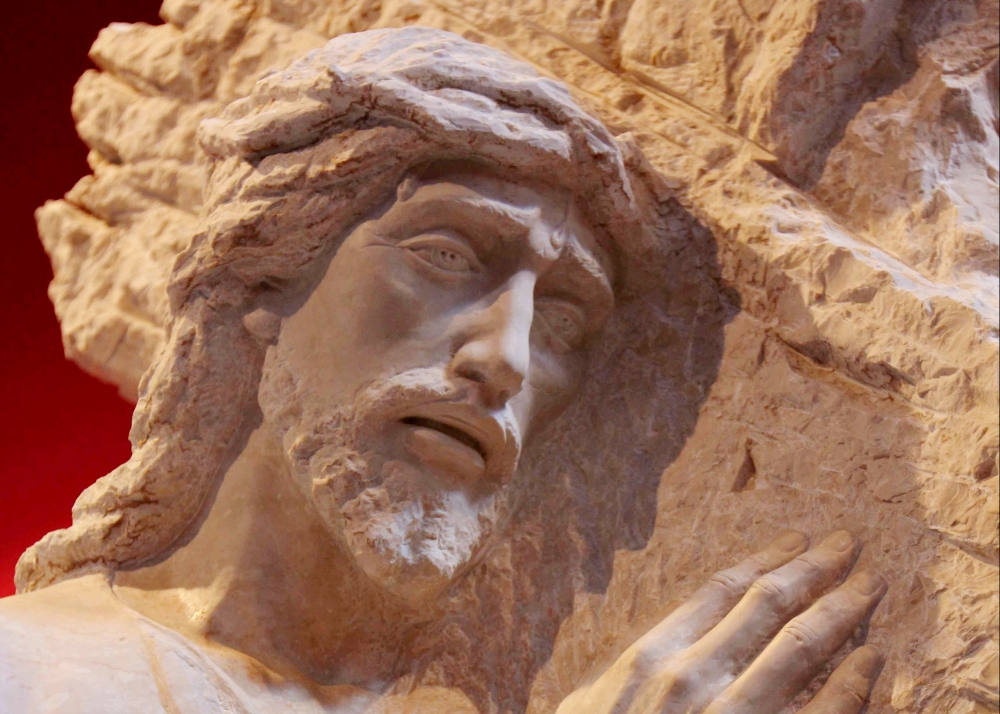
(493, 342)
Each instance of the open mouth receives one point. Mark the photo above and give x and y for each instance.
(460, 442)
(448, 430)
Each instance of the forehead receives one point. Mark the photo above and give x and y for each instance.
(513, 209)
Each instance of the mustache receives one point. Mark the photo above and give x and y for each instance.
(329, 445)
(385, 399)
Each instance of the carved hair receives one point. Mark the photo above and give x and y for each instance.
(329, 138)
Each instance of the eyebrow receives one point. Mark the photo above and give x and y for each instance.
(493, 220)
(498, 220)
(578, 267)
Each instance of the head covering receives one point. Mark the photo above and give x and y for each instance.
(461, 97)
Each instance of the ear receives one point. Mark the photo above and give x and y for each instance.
(263, 325)
(406, 189)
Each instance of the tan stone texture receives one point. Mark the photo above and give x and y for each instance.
(829, 167)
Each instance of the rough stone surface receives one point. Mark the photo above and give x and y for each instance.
(830, 167)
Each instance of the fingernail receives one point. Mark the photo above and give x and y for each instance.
(790, 541)
(841, 540)
(868, 662)
(867, 583)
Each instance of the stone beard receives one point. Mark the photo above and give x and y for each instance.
(399, 534)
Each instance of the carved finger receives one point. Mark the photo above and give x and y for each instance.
(804, 645)
(713, 600)
(636, 673)
(849, 687)
(698, 675)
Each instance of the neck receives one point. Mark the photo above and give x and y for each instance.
(262, 575)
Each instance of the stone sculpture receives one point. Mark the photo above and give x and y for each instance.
(775, 378)
(360, 370)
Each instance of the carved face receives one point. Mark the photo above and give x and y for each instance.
(444, 332)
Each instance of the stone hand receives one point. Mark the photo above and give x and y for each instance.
(751, 639)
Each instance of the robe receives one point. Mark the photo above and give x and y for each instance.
(76, 648)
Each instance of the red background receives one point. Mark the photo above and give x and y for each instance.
(60, 429)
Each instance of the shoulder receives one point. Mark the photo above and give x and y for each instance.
(87, 592)
(73, 647)
(48, 620)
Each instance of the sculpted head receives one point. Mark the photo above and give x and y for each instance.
(406, 250)
(446, 328)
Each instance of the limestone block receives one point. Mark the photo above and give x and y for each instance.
(787, 75)
(112, 245)
(267, 45)
(829, 166)
(108, 341)
(126, 126)
(165, 59)
(916, 172)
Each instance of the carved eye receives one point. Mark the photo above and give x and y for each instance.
(449, 259)
(563, 321)
(444, 253)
